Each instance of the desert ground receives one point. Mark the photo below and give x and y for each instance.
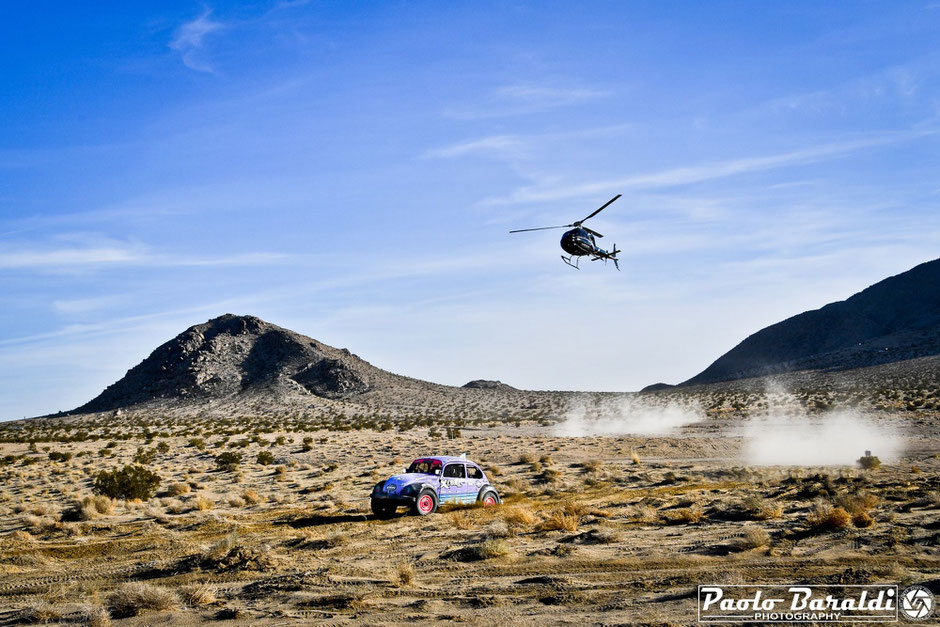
(602, 528)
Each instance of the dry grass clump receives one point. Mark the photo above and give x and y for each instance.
(498, 529)
(593, 465)
(203, 504)
(235, 501)
(857, 503)
(403, 575)
(686, 515)
(527, 458)
(21, 536)
(251, 497)
(761, 509)
(645, 515)
(519, 516)
(825, 516)
(753, 537)
(179, 488)
(196, 596)
(94, 616)
(862, 520)
(635, 458)
(38, 612)
(130, 599)
(491, 548)
(559, 520)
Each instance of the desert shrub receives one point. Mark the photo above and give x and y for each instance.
(94, 616)
(753, 537)
(58, 456)
(203, 504)
(519, 516)
(593, 465)
(404, 574)
(498, 529)
(198, 595)
(130, 599)
(130, 482)
(686, 515)
(488, 549)
(559, 520)
(869, 462)
(265, 458)
(527, 458)
(163, 448)
(825, 516)
(39, 612)
(228, 461)
(198, 443)
(251, 497)
(856, 503)
(178, 488)
(145, 455)
(307, 444)
(863, 519)
(760, 509)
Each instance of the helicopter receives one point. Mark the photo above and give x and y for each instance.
(579, 241)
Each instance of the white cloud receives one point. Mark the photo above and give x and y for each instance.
(189, 40)
(524, 99)
(698, 173)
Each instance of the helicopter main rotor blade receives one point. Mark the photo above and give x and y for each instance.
(543, 228)
(604, 206)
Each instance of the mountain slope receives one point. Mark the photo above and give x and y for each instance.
(895, 319)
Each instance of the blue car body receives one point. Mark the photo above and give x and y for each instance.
(449, 479)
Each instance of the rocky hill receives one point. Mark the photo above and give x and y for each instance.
(893, 320)
(244, 364)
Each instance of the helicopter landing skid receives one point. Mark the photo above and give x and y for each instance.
(574, 265)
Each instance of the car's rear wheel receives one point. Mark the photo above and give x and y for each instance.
(382, 510)
(489, 498)
(425, 503)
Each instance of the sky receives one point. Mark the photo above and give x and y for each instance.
(351, 171)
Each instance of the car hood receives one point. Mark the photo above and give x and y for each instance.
(401, 481)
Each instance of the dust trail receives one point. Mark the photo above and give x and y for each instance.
(624, 415)
(787, 435)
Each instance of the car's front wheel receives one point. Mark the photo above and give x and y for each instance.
(425, 503)
(382, 510)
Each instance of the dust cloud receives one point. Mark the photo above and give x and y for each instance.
(785, 434)
(627, 415)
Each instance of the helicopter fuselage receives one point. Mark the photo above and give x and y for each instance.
(579, 242)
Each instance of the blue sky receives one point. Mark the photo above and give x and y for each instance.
(351, 171)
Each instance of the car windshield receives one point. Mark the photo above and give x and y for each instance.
(425, 466)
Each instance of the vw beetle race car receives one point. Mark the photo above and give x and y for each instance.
(430, 482)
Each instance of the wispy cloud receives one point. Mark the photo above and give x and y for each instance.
(72, 258)
(189, 38)
(524, 99)
(498, 145)
(704, 172)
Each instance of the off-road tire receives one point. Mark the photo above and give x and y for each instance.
(422, 506)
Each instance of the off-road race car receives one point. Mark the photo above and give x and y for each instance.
(430, 482)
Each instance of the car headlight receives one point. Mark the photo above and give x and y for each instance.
(378, 486)
(409, 490)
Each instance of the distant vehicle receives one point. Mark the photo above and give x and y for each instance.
(430, 482)
(579, 241)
